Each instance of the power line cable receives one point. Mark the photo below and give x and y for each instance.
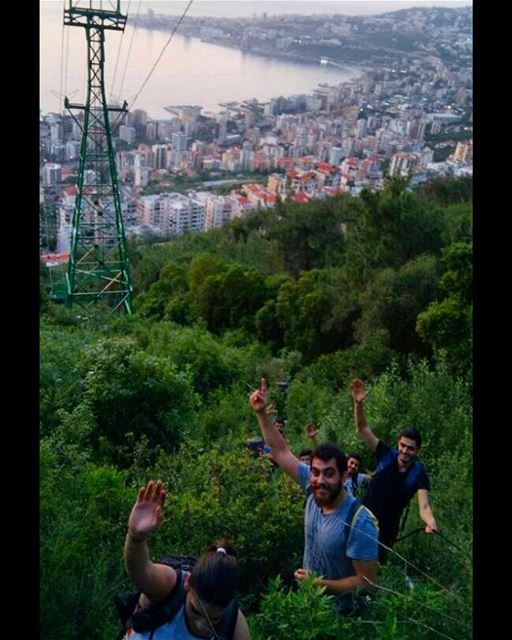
(66, 58)
(422, 624)
(455, 546)
(441, 535)
(118, 53)
(417, 602)
(410, 534)
(411, 565)
(129, 48)
(162, 52)
(62, 63)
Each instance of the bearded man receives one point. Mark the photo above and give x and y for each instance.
(341, 535)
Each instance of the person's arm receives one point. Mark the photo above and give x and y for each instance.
(359, 395)
(365, 578)
(241, 628)
(426, 513)
(154, 580)
(312, 433)
(280, 451)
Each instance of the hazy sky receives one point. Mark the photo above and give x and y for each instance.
(63, 51)
(233, 8)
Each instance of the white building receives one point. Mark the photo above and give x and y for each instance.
(335, 155)
(219, 210)
(402, 164)
(52, 174)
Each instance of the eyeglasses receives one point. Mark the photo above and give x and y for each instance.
(216, 636)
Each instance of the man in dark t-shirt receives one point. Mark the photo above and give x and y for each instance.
(397, 477)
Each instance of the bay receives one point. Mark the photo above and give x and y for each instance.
(190, 71)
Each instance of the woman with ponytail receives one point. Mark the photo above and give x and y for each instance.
(177, 604)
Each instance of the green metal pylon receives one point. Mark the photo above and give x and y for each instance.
(98, 271)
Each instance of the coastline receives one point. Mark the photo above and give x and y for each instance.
(358, 73)
(289, 57)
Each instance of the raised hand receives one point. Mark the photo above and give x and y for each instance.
(258, 398)
(357, 390)
(311, 430)
(146, 515)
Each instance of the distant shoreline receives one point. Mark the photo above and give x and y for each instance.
(288, 57)
(359, 73)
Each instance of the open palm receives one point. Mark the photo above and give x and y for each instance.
(146, 515)
(357, 390)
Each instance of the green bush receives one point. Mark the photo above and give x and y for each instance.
(212, 494)
(130, 391)
(83, 514)
(303, 614)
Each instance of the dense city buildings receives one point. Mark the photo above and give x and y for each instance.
(410, 114)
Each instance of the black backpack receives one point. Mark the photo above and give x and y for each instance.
(155, 614)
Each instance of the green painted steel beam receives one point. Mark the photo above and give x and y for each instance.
(99, 267)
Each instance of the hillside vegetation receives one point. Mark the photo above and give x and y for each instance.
(377, 287)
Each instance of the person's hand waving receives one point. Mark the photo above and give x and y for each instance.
(312, 430)
(258, 398)
(146, 516)
(357, 390)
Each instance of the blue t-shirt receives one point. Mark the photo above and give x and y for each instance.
(330, 544)
(353, 488)
(177, 629)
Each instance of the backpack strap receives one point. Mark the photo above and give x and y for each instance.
(354, 507)
(226, 628)
(352, 511)
(155, 614)
(412, 475)
(386, 461)
(185, 563)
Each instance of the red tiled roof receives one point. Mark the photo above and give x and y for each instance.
(326, 167)
(301, 196)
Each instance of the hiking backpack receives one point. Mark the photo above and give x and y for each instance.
(156, 614)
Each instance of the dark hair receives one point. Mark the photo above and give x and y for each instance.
(328, 450)
(412, 434)
(215, 574)
(305, 452)
(356, 456)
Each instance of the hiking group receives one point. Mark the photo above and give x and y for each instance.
(344, 537)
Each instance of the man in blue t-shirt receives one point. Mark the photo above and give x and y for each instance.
(355, 483)
(341, 537)
(397, 477)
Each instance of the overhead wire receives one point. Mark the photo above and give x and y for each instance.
(455, 546)
(118, 54)
(162, 52)
(129, 48)
(417, 602)
(66, 59)
(389, 549)
(408, 620)
(61, 103)
(422, 624)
